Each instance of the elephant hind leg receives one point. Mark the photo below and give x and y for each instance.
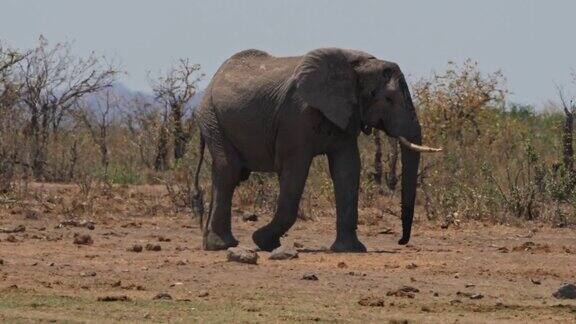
(292, 181)
(218, 234)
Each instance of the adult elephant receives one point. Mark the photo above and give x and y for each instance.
(275, 114)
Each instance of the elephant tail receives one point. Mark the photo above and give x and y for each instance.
(198, 198)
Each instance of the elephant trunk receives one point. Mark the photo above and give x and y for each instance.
(410, 162)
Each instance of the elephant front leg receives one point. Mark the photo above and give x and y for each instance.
(345, 173)
(292, 181)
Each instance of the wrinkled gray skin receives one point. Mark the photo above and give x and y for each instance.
(275, 114)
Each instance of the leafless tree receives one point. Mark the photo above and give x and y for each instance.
(174, 90)
(569, 108)
(392, 159)
(98, 120)
(53, 81)
(143, 121)
(9, 115)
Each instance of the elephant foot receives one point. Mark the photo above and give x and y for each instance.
(215, 242)
(348, 244)
(265, 241)
(404, 240)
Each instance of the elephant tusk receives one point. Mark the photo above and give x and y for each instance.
(418, 148)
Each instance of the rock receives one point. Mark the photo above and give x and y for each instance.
(425, 309)
(310, 276)
(83, 239)
(1, 262)
(11, 239)
(298, 245)
(18, 229)
(114, 298)
(242, 255)
(163, 239)
(470, 295)
(476, 296)
(536, 281)
(404, 291)
(88, 274)
(203, 293)
(568, 291)
(283, 253)
(411, 266)
(76, 223)
(135, 248)
(153, 247)
(162, 295)
(398, 321)
(342, 265)
(32, 214)
(249, 217)
(371, 301)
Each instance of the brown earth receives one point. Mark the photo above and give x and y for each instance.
(468, 273)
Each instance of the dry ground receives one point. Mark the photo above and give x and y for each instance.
(45, 276)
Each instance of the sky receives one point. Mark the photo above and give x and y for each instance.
(531, 41)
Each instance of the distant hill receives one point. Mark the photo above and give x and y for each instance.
(145, 97)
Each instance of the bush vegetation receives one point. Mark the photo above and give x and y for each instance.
(61, 120)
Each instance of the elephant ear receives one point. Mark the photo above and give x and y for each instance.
(326, 81)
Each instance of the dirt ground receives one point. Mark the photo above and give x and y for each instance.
(468, 273)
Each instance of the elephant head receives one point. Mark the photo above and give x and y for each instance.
(346, 83)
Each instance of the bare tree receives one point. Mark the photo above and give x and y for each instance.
(174, 90)
(53, 81)
(98, 120)
(569, 108)
(10, 116)
(143, 121)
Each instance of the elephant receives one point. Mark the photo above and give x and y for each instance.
(262, 113)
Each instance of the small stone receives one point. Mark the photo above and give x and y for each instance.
(180, 263)
(163, 239)
(162, 295)
(242, 255)
(435, 294)
(135, 248)
(83, 239)
(470, 295)
(88, 274)
(249, 217)
(404, 291)
(568, 291)
(372, 301)
(32, 214)
(1, 262)
(310, 276)
(11, 239)
(425, 309)
(536, 281)
(203, 293)
(412, 266)
(17, 229)
(153, 247)
(476, 296)
(283, 253)
(342, 265)
(298, 245)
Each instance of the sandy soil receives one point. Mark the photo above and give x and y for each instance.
(470, 273)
